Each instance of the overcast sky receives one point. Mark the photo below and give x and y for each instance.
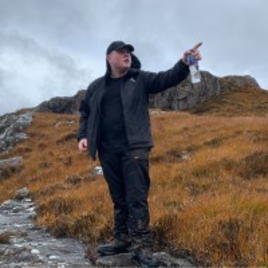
(54, 48)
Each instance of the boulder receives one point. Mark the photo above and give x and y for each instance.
(14, 161)
(22, 193)
(11, 130)
(125, 260)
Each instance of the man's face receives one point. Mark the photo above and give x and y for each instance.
(120, 59)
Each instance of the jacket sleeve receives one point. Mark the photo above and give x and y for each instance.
(157, 82)
(84, 112)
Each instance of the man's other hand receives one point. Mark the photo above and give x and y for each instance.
(82, 145)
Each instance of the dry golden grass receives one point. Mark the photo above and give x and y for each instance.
(240, 101)
(209, 193)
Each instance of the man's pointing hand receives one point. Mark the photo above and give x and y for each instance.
(194, 52)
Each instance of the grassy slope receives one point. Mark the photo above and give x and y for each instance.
(209, 192)
(243, 101)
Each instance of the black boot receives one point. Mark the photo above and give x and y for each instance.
(143, 257)
(115, 247)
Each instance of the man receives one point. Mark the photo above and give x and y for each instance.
(115, 122)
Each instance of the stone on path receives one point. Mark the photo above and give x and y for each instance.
(125, 260)
(22, 193)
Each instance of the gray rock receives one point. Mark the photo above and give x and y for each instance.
(168, 261)
(27, 257)
(120, 260)
(125, 260)
(11, 130)
(22, 193)
(7, 205)
(53, 257)
(14, 161)
(35, 251)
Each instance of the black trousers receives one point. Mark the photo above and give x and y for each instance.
(127, 175)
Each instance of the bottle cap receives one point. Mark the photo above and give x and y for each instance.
(191, 60)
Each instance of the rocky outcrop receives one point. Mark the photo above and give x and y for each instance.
(187, 95)
(66, 105)
(184, 96)
(8, 163)
(11, 130)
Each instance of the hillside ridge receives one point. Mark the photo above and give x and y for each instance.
(185, 96)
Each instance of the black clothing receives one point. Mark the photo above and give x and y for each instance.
(113, 137)
(135, 92)
(113, 107)
(117, 246)
(127, 175)
(116, 45)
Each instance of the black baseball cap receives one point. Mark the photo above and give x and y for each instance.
(116, 45)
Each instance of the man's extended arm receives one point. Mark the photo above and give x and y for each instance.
(157, 82)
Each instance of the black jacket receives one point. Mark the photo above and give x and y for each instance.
(135, 98)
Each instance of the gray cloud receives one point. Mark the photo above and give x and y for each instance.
(30, 73)
(55, 47)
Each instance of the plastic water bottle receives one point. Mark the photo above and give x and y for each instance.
(194, 69)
